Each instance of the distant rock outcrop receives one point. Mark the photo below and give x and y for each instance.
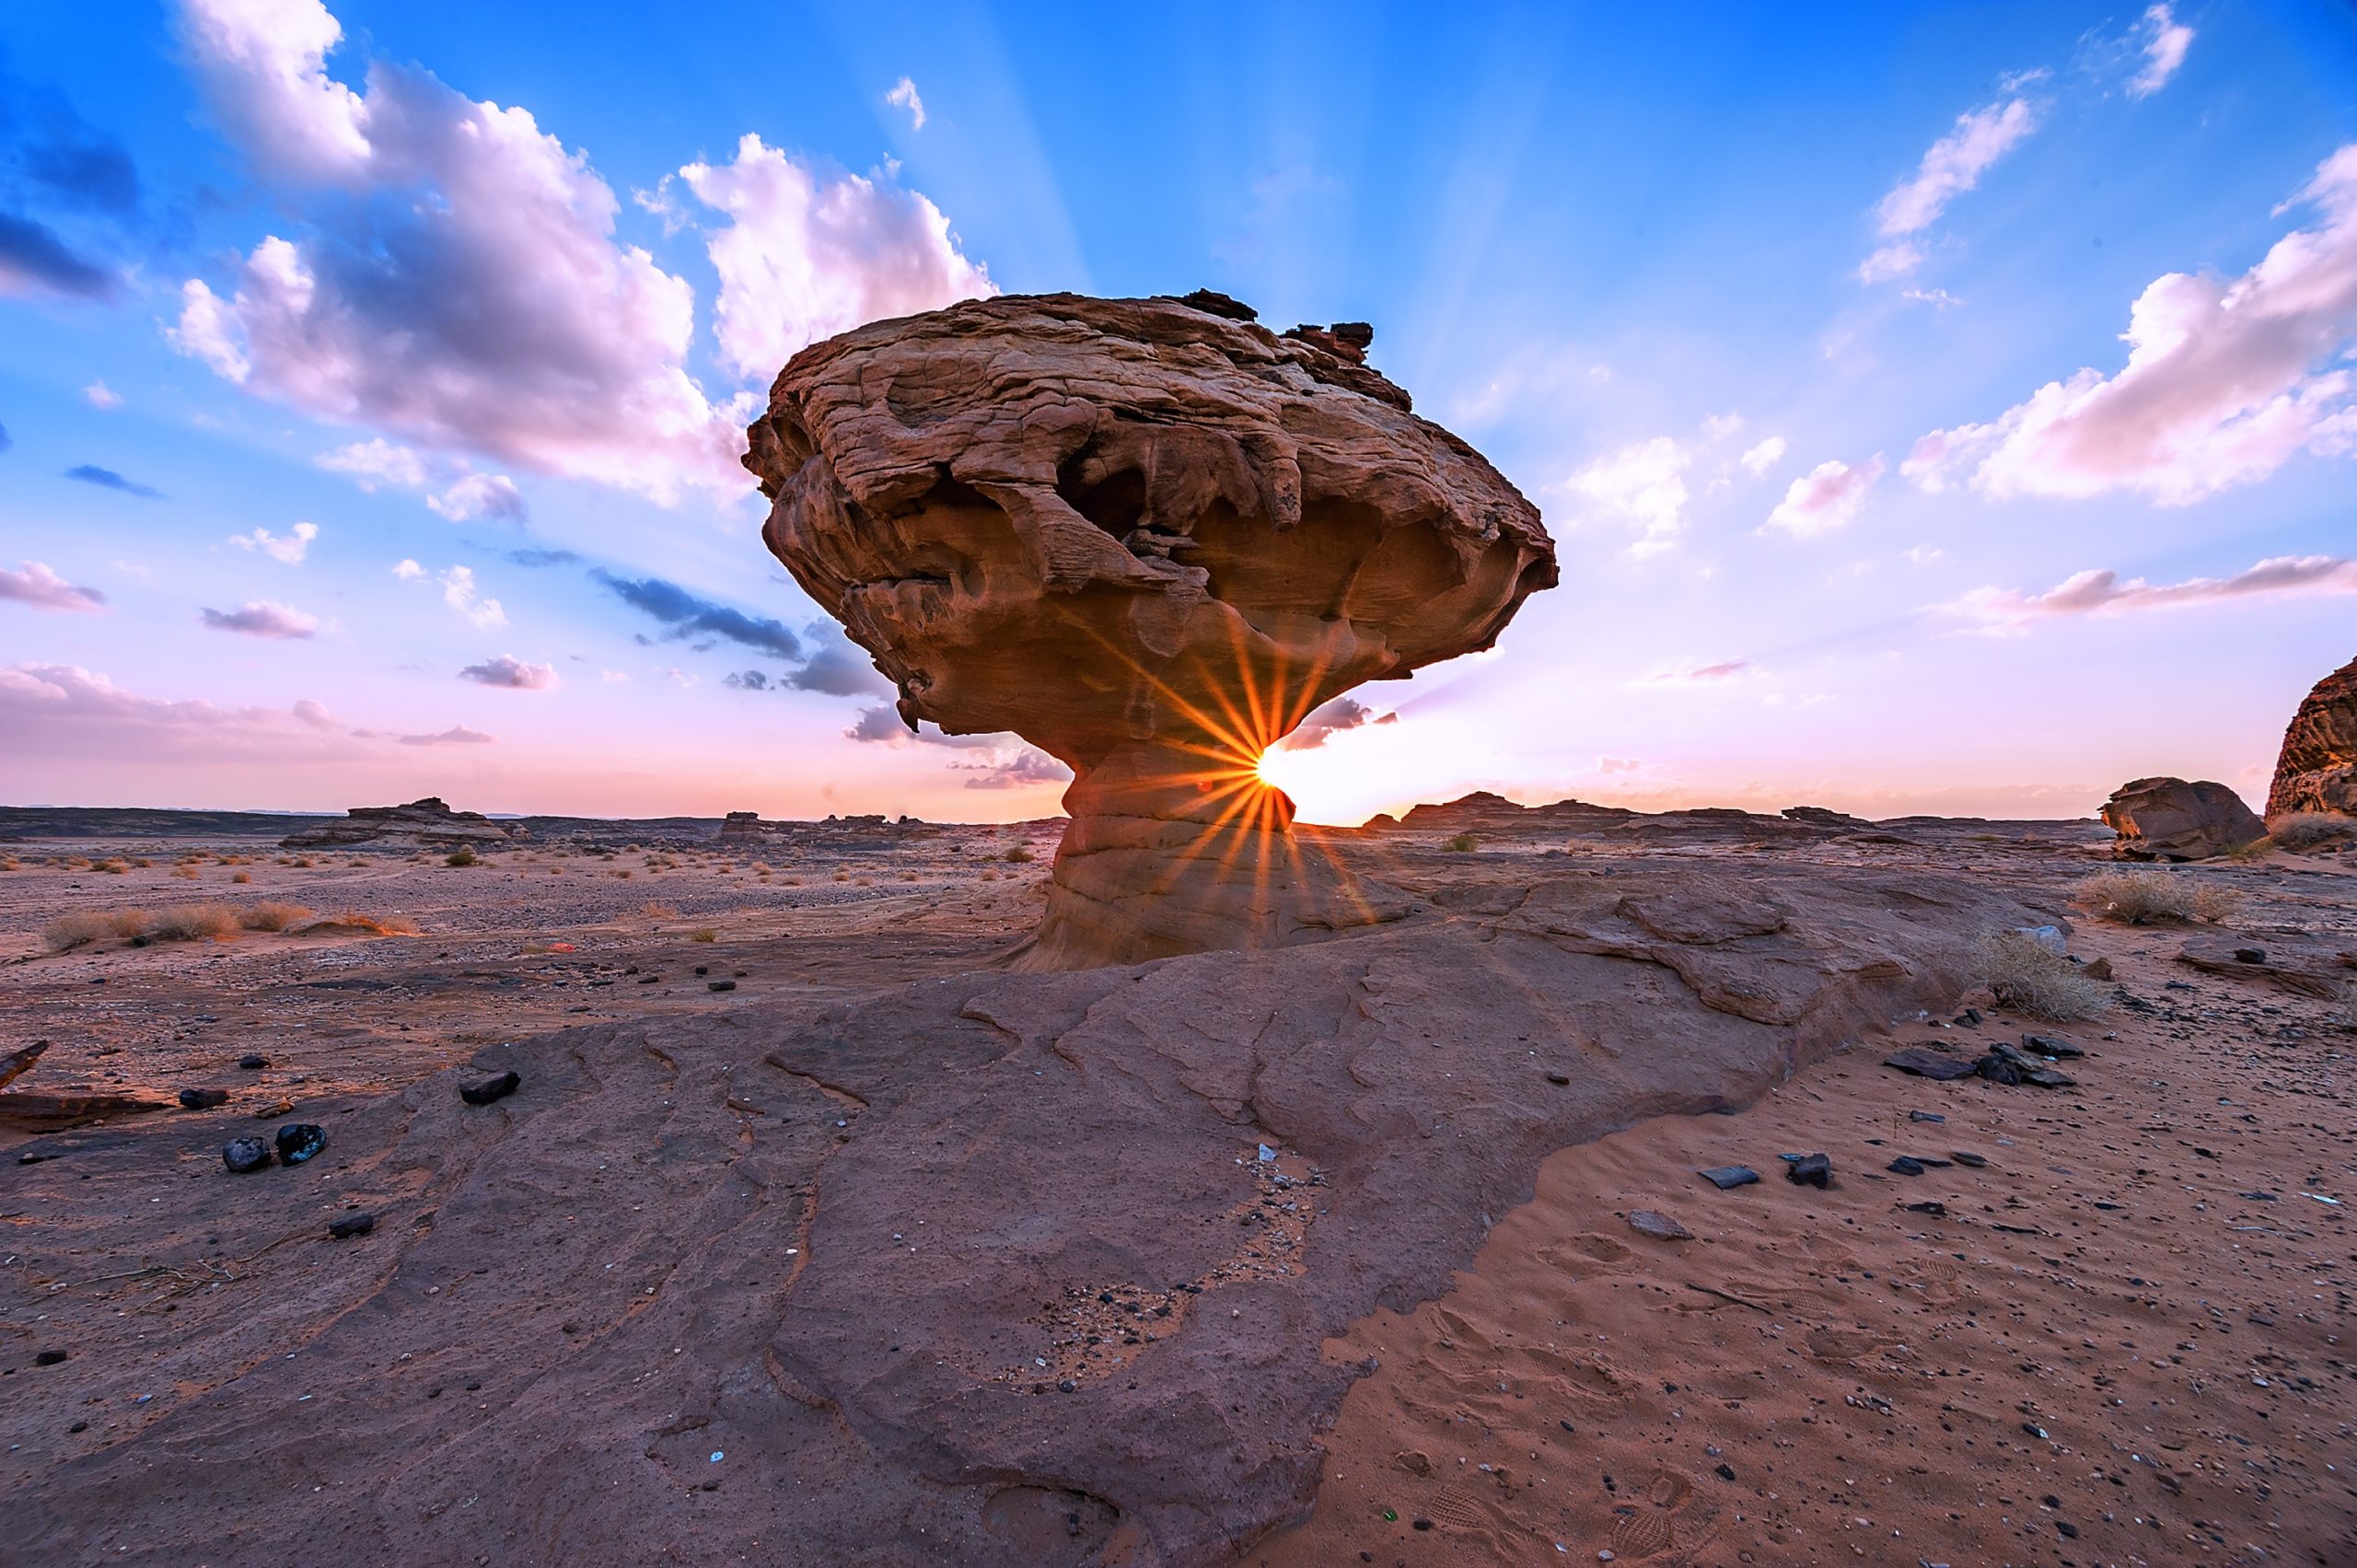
(2317, 769)
(421, 824)
(739, 828)
(2163, 819)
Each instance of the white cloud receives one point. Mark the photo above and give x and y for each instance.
(44, 589)
(290, 550)
(2166, 42)
(480, 496)
(2226, 380)
(1893, 260)
(457, 735)
(1828, 497)
(904, 96)
(103, 396)
(1618, 764)
(476, 301)
(1642, 485)
(1925, 555)
(1328, 719)
(2102, 593)
(408, 571)
(1937, 299)
(375, 463)
(511, 673)
(262, 618)
(1759, 459)
(1953, 166)
(803, 258)
(264, 74)
(1699, 675)
(459, 591)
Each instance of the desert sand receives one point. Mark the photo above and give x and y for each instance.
(887, 1255)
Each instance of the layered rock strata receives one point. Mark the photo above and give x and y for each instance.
(1149, 535)
(2317, 769)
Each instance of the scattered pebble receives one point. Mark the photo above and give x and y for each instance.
(491, 1090)
(299, 1141)
(243, 1154)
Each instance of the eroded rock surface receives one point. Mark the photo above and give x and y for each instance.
(421, 824)
(1149, 537)
(2163, 819)
(843, 1267)
(2317, 769)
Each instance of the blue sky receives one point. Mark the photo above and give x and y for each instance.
(369, 374)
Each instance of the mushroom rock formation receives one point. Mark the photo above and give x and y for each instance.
(1149, 535)
(2163, 819)
(2317, 769)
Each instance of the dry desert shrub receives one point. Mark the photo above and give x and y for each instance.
(656, 909)
(376, 924)
(704, 933)
(1021, 852)
(271, 915)
(8, 863)
(791, 881)
(234, 877)
(2028, 975)
(187, 873)
(2142, 897)
(460, 857)
(2306, 829)
(1463, 843)
(142, 862)
(69, 931)
(624, 873)
(110, 867)
(192, 923)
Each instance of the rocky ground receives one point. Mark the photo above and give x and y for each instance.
(1324, 1256)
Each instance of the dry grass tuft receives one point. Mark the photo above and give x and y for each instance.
(656, 909)
(2306, 829)
(236, 877)
(188, 874)
(271, 915)
(193, 923)
(1463, 843)
(71, 931)
(110, 867)
(2027, 975)
(461, 857)
(704, 933)
(374, 925)
(1021, 853)
(2142, 897)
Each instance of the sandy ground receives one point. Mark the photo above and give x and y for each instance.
(2122, 1338)
(2127, 1339)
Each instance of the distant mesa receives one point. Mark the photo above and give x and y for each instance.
(2165, 818)
(421, 824)
(1149, 535)
(2317, 769)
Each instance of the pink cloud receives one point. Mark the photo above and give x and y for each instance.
(1827, 497)
(511, 673)
(37, 586)
(262, 618)
(56, 710)
(2103, 592)
(2226, 381)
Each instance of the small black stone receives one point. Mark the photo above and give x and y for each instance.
(491, 1090)
(1997, 1069)
(243, 1154)
(49, 1357)
(1811, 1170)
(352, 1226)
(299, 1141)
(2250, 954)
(703, 969)
(1925, 1116)
(1906, 1167)
(1423, 1524)
(1559, 1079)
(204, 1100)
(1969, 1161)
(1727, 1471)
(253, 1063)
(1067, 1385)
(2070, 1531)
(1726, 1176)
(80, 1426)
(720, 985)
(1933, 1207)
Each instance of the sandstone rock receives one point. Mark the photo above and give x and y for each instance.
(421, 824)
(2317, 769)
(742, 829)
(1149, 535)
(2162, 818)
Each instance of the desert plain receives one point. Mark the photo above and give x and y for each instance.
(811, 1236)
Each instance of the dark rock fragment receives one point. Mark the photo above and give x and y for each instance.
(1969, 1161)
(351, 1224)
(50, 1357)
(243, 1154)
(2047, 1045)
(1925, 1116)
(1928, 1062)
(1725, 1176)
(1811, 1170)
(1904, 1166)
(491, 1090)
(1659, 1226)
(1932, 1206)
(299, 1141)
(721, 985)
(254, 1062)
(204, 1100)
